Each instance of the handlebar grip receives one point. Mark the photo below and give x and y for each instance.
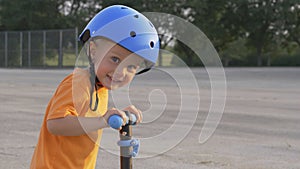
(116, 121)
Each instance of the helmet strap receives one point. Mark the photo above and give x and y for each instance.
(93, 79)
(143, 71)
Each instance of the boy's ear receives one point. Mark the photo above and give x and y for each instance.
(92, 49)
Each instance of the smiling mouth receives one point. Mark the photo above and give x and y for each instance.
(113, 80)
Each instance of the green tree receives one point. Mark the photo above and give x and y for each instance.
(46, 14)
(216, 19)
(289, 25)
(28, 15)
(258, 20)
(261, 25)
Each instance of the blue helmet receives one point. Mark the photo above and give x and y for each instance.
(126, 27)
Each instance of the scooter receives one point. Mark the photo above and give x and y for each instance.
(129, 147)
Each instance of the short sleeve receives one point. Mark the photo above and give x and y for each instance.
(72, 97)
(62, 102)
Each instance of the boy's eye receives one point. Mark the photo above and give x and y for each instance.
(115, 59)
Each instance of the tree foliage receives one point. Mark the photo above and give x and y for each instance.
(239, 29)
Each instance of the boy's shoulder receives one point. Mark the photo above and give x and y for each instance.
(78, 75)
(78, 78)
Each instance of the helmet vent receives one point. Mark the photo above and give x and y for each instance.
(123, 7)
(152, 44)
(132, 34)
(136, 16)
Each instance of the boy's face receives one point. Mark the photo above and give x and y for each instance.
(114, 65)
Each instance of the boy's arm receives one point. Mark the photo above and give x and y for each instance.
(75, 125)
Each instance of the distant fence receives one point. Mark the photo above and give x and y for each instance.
(44, 48)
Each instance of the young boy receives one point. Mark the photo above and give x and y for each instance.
(118, 42)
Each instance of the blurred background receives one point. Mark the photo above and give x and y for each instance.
(260, 123)
(43, 33)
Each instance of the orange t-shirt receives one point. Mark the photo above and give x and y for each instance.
(72, 97)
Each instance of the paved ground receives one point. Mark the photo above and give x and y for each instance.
(259, 129)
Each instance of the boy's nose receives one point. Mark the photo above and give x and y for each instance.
(120, 74)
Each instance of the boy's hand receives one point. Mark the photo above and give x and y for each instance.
(114, 111)
(132, 109)
(138, 113)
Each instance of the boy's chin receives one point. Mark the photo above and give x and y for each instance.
(113, 87)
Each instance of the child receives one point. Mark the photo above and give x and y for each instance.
(118, 42)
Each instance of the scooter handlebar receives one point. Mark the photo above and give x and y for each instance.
(116, 121)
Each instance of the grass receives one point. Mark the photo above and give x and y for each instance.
(69, 59)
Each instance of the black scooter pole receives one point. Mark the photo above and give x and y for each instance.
(128, 146)
(125, 157)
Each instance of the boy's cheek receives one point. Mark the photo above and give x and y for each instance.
(127, 81)
(131, 78)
